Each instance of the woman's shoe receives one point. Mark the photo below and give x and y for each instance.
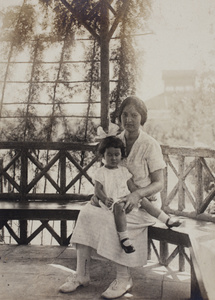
(118, 288)
(127, 249)
(173, 222)
(73, 282)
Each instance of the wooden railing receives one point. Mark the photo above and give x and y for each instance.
(189, 188)
(189, 184)
(46, 171)
(62, 172)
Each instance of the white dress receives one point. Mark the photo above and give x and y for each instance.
(114, 182)
(96, 228)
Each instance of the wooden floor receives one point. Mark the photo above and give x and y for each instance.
(36, 272)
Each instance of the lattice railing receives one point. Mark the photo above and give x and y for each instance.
(189, 190)
(44, 172)
(189, 186)
(59, 172)
(47, 171)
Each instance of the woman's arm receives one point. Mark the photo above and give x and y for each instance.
(131, 185)
(154, 187)
(99, 192)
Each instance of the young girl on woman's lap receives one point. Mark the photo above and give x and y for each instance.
(113, 182)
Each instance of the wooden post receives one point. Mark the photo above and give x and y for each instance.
(23, 224)
(181, 192)
(199, 184)
(62, 172)
(1, 191)
(149, 256)
(164, 252)
(195, 291)
(165, 188)
(1, 179)
(181, 259)
(104, 65)
(63, 223)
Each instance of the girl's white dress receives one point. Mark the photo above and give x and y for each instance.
(95, 226)
(114, 183)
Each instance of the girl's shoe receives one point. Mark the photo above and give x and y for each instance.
(127, 249)
(73, 282)
(173, 222)
(118, 288)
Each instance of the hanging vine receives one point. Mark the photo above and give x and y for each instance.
(56, 22)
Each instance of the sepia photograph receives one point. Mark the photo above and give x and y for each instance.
(107, 149)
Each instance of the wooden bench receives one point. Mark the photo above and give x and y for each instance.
(198, 236)
(42, 211)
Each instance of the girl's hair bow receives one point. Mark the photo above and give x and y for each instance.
(112, 131)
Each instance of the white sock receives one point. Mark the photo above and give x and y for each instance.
(83, 261)
(122, 271)
(124, 235)
(163, 217)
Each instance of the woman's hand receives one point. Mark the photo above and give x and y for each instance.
(131, 201)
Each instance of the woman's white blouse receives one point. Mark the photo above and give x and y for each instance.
(144, 158)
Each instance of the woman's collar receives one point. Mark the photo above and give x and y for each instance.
(138, 134)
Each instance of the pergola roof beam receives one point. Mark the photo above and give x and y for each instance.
(118, 18)
(81, 20)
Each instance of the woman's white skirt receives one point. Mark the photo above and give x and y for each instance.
(96, 228)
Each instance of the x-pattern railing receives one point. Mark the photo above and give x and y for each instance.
(27, 168)
(188, 168)
(30, 168)
(59, 172)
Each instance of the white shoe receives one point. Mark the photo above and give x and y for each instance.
(118, 288)
(73, 282)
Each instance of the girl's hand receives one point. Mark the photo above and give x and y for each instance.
(108, 202)
(131, 201)
(152, 198)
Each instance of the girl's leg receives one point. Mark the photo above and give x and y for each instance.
(159, 214)
(82, 275)
(119, 217)
(121, 284)
(121, 227)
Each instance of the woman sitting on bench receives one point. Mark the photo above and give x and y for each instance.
(95, 229)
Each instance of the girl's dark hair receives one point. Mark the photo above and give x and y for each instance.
(139, 106)
(111, 141)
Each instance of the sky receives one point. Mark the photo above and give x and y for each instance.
(183, 35)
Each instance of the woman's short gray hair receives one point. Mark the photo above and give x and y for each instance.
(139, 106)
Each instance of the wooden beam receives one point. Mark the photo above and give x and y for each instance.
(118, 18)
(198, 184)
(104, 65)
(206, 202)
(80, 19)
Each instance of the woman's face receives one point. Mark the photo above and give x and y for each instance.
(130, 118)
